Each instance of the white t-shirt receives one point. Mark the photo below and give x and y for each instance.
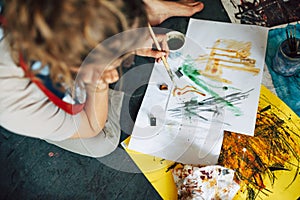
(25, 109)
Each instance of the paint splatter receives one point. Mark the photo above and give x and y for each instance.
(192, 73)
(227, 54)
(50, 154)
(272, 148)
(198, 109)
(186, 89)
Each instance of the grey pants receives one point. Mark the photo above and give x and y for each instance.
(106, 141)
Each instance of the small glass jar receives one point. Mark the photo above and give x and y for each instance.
(175, 41)
(284, 62)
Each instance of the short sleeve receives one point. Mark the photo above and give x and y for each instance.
(26, 110)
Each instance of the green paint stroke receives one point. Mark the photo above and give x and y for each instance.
(192, 73)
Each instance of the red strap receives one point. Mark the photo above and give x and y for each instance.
(2, 20)
(67, 107)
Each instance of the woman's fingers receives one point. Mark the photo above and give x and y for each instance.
(88, 74)
(110, 76)
(151, 53)
(148, 51)
(91, 74)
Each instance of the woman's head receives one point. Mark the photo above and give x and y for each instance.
(62, 32)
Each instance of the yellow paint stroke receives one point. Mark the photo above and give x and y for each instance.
(214, 77)
(245, 61)
(229, 54)
(246, 69)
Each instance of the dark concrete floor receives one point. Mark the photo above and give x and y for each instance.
(28, 171)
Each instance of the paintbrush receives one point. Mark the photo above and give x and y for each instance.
(292, 41)
(164, 60)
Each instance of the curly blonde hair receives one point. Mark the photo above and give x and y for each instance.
(61, 33)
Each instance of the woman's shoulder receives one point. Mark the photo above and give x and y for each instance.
(7, 66)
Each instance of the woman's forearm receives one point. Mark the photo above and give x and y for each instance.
(94, 115)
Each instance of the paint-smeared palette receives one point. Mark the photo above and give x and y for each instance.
(210, 182)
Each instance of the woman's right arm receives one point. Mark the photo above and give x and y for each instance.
(26, 110)
(94, 115)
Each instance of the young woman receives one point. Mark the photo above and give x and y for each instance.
(57, 58)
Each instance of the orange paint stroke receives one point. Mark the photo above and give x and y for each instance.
(191, 89)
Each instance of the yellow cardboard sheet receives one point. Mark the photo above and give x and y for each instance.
(156, 169)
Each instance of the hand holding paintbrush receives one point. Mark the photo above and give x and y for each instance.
(166, 64)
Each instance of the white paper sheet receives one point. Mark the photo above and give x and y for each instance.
(205, 34)
(179, 139)
(191, 119)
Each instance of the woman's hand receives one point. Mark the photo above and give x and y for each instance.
(95, 75)
(107, 77)
(149, 48)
